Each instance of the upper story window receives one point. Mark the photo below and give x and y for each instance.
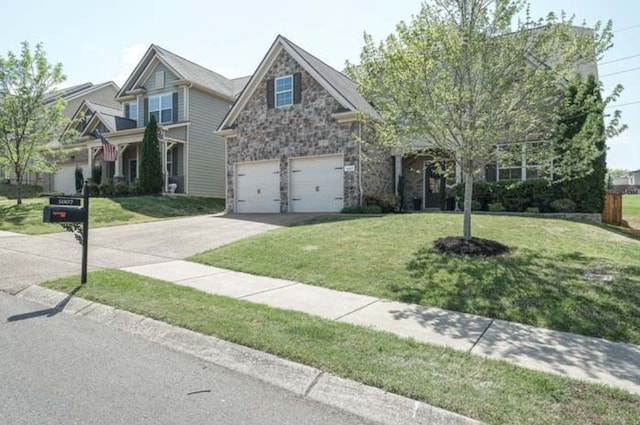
(284, 91)
(133, 111)
(162, 108)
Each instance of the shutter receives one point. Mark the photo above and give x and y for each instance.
(270, 93)
(145, 111)
(297, 87)
(174, 106)
(490, 173)
(126, 110)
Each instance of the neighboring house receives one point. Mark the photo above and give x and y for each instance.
(90, 117)
(627, 184)
(74, 96)
(295, 140)
(188, 102)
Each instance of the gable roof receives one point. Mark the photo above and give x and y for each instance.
(184, 69)
(111, 115)
(73, 92)
(343, 89)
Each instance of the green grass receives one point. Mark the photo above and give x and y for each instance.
(631, 206)
(540, 283)
(27, 218)
(491, 391)
(9, 191)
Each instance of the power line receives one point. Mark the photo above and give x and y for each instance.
(621, 72)
(627, 28)
(623, 104)
(618, 60)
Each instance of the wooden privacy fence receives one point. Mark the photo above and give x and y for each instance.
(612, 213)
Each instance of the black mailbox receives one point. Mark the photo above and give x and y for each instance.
(56, 214)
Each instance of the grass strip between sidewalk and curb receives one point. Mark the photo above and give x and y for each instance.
(491, 391)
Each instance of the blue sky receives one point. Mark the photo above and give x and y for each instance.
(101, 41)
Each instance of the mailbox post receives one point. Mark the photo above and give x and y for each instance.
(68, 212)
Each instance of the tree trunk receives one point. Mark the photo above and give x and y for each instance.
(18, 188)
(468, 193)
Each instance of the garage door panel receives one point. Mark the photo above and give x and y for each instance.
(258, 187)
(64, 180)
(317, 184)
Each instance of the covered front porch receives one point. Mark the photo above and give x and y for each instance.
(126, 166)
(424, 181)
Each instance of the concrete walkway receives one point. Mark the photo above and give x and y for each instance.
(574, 356)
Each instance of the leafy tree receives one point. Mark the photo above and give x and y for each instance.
(29, 129)
(151, 162)
(466, 77)
(618, 172)
(581, 134)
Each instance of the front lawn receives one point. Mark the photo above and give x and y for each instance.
(27, 218)
(551, 278)
(491, 391)
(631, 206)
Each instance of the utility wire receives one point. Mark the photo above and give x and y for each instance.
(618, 60)
(627, 28)
(622, 104)
(621, 72)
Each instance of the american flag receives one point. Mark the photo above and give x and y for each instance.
(109, 151)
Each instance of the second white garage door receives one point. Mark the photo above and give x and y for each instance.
(317, 184)
(258, 187)
(64, 180)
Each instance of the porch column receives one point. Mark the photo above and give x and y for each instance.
(398, 159)
(164, 166)
(119, 160)
(90, 162)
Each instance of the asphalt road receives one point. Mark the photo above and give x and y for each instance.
(67, 370)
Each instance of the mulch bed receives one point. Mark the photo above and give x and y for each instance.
(475, 247)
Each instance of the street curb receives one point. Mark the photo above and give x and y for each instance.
(370, 403)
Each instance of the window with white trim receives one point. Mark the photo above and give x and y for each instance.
(133, 111)
(515, 164)
(284, 91)
(162, 108)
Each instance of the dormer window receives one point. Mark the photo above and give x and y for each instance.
(161, 107)
(284, 91)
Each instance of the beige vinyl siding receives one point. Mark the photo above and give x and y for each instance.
(206, 155)
(179, 133)
(104, 95)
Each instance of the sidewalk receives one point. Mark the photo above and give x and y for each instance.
(574, 356)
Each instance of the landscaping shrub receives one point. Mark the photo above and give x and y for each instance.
(134, 188)
(514, 196)
(79, 179)
(496, 207)
(533, 210)
(362, 209)
(387, 203)
(563, 205)
(121, 188)
(476, 206)
(96, 174)
(93, 188)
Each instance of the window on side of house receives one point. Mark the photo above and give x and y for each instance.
(133, 111)
(510, 162)
(161, 107)
(284, 91)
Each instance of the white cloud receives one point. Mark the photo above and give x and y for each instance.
(129, 58)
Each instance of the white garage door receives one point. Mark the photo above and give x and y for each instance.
(258, 187)
(317, 184)
(64, 180)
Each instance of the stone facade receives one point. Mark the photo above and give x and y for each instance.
(300, 130)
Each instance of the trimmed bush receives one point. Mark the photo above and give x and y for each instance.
(362, 209)
(563, 205)
(387, 203)
(515, 196)
(496, 207)
(121, 188)
(476, 206)
(93, 188)
(533, 210)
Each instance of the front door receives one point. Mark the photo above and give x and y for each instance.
(432, 187)
(133, 170)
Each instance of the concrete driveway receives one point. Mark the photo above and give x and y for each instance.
(27, 260)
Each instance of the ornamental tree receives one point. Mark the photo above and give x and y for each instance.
(30, 129)
(468, 76)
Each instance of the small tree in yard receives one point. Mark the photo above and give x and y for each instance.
(467, 79)
(151, 161)
(29, 129)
